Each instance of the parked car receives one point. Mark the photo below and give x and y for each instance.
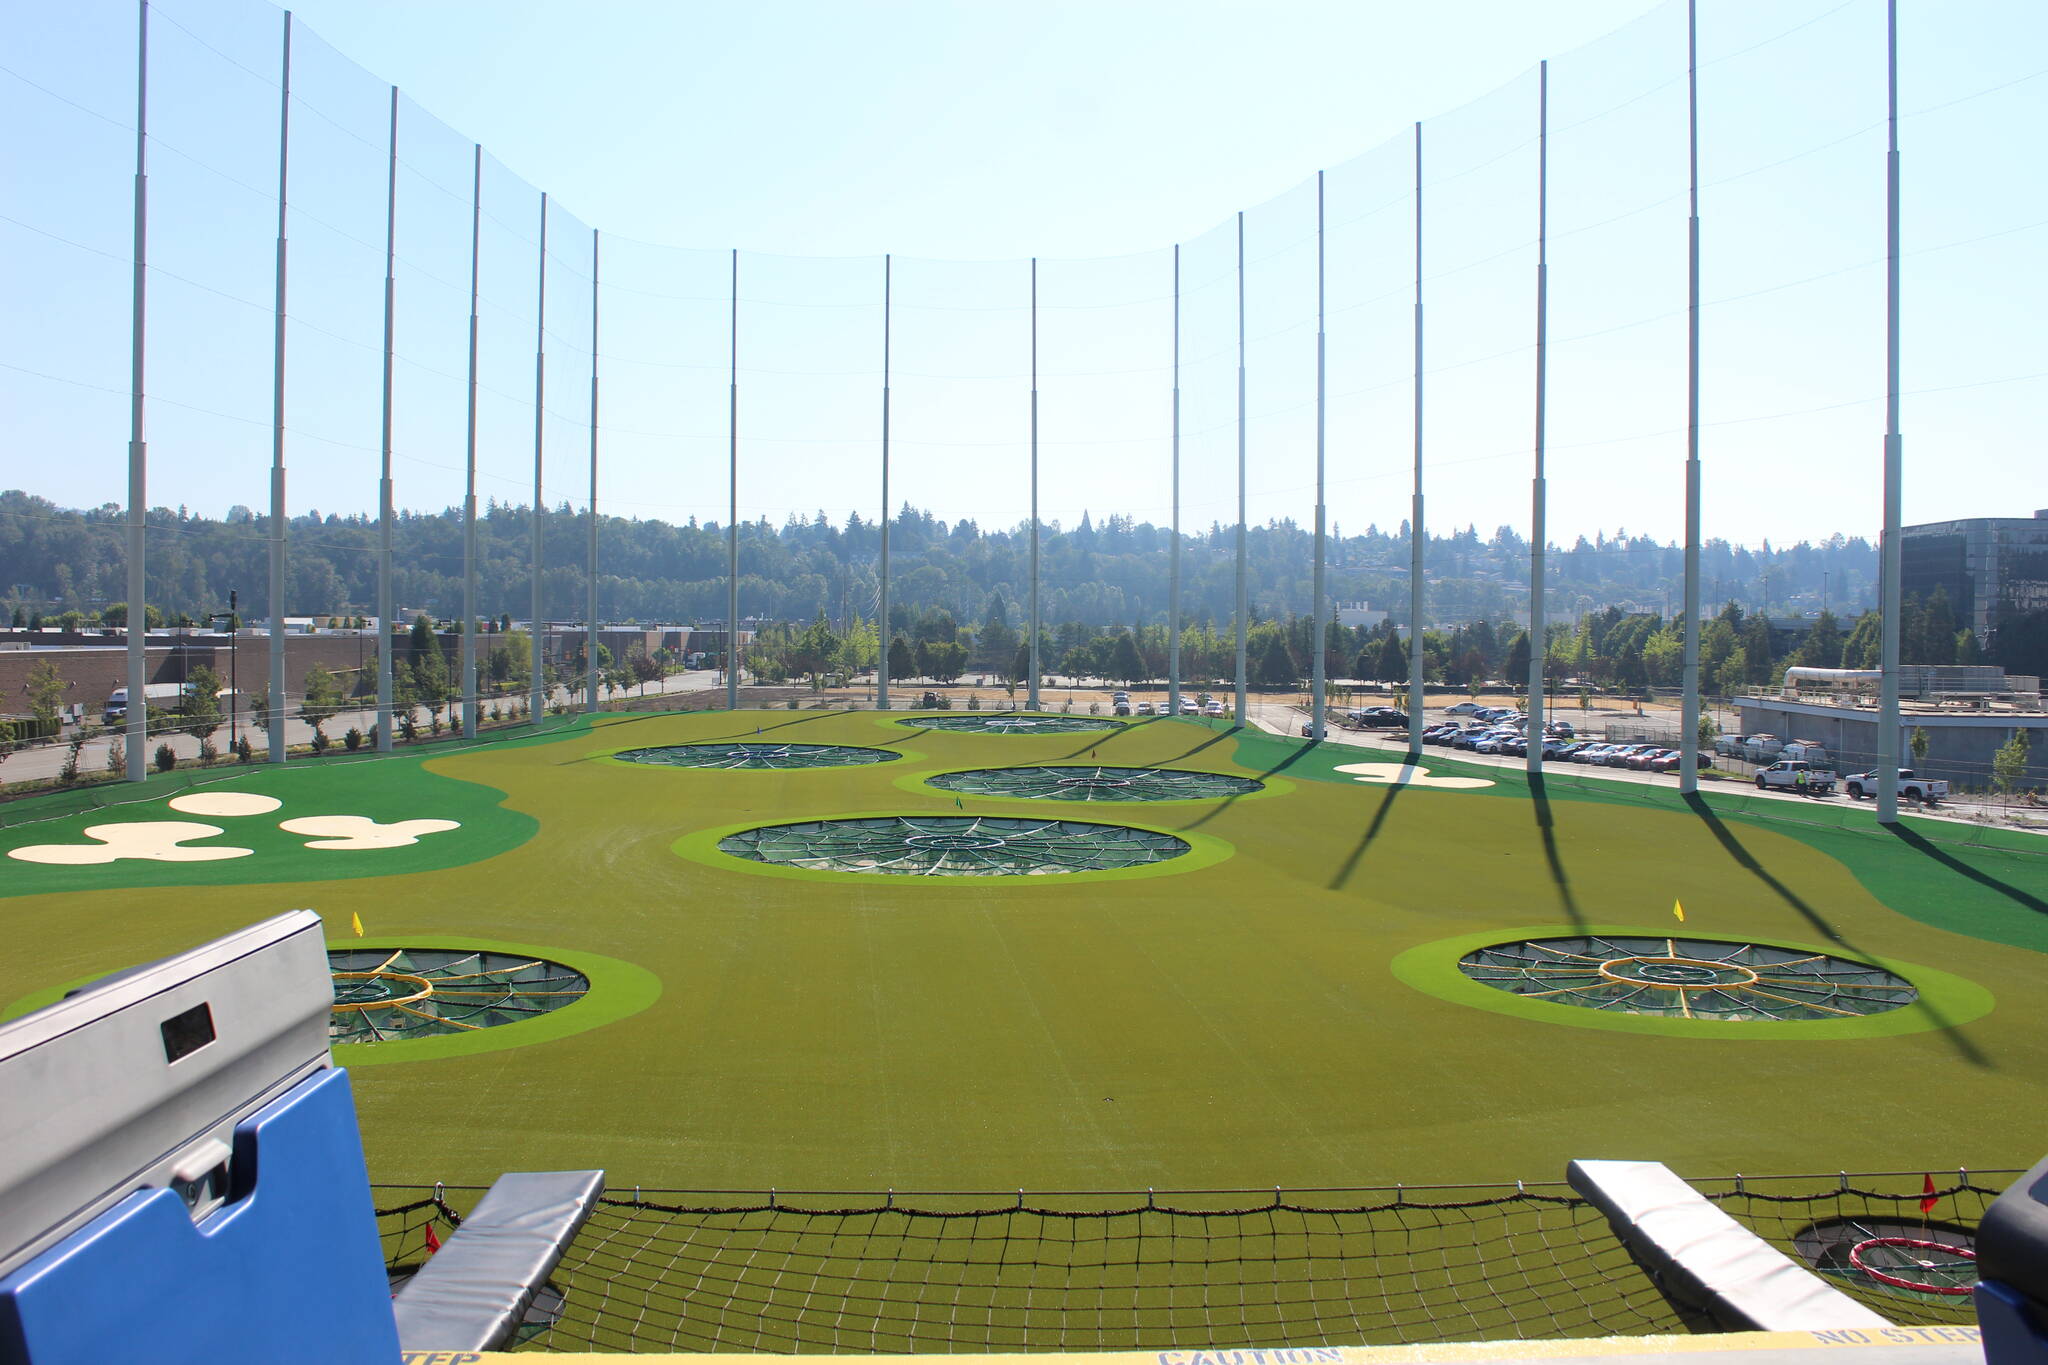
(1926, 790)
(1121, 708)
(1806, 751)
(1642, 758)
(1791, 774)
(1731, 746)
(1560, 729)
(1385, 718)
(1464, 708)
(1145, 708)
(1761, 748)
(1213, 708)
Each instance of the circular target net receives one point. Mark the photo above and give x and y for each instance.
(1912, 1259)
(1012, 723)
(953, 846)
(756, 755)
(387, 994)
(1095, 784)
(1688, 978)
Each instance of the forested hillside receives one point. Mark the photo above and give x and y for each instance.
(1110, 572)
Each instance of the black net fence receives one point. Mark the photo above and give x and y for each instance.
(1902, 1243)
(667, 1271)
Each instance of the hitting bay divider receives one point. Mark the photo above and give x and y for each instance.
(1704, 1258)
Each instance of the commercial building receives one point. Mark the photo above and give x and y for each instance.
(1992, 568)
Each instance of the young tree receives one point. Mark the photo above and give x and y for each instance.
(431, 684)
(199, 712)
(1919, 744)
(2009, 764)
(644, 669)
(1968, 652)
(45, 692)
(323, 698)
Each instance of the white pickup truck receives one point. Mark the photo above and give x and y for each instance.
(1926, 790)
(1792, 774)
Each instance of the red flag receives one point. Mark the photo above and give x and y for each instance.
(1928, 1198)
(434, 1243)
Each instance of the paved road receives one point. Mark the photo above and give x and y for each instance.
(45, 761)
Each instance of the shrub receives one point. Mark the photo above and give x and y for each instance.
(353, 740)
(165, 759)
(408, 728)
(245, 752)
(320, 741)
(209, 753)
(69, 772)
(973, 703)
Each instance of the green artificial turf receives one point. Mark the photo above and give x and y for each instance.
(1234, 1024)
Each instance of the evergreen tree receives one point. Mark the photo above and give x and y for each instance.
(1392, 664)
(901, 663)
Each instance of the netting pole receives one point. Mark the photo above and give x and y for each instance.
(1318, 673)
(884, 635)
(385, 510)
(1031, 691)
(1538, 648)
(1891, 601)
(732, 528)
(274, 718)
(469, 623)
(590, 604)
(1173, 576)
(1416, 662)
(1239, 718)
(138, 449)
(1689, 737)
(536, 702)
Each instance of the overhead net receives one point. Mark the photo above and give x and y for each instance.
(953, 846)
(1892, 1242)
(1011, 723)
(384, 994)
(1084, 783)
(673, 1272)
(1688, 978)
(757, 755)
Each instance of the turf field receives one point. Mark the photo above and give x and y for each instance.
(1276, 1008)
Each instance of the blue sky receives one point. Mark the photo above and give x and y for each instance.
(966, 138)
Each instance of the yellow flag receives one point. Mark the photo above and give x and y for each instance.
(1676, 909)
(357, 922)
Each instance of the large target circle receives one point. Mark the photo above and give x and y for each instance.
(953, 846)
(1089, 783)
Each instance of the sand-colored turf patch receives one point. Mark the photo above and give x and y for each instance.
(158, 840)
(352, 832)
(224, 803)
(1407, 775)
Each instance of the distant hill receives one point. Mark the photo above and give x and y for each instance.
(1110, 572)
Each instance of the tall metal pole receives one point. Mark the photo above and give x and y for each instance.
(274, 712)
(1173, 579)
(882, 633)
(537, 689)
(1537, 648)
(1415, 532)
(1689, 733)
(590, 603)
(1031, 689)
(732, 520)
(1892, 603)
(385, 510)
(138, 450)
(469, 622)
(1318, 673)
(1241, 607)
